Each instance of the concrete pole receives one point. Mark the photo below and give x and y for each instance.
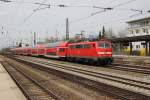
(67, 29)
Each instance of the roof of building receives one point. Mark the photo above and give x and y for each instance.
(140, 19)
(130, 39)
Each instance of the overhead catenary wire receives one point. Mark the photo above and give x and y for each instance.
(30, 15)
(78, 6)
(109, 2)
(124, 3)
(112, 8)
(104, 9)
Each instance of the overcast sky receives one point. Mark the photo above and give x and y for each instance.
(18, 22)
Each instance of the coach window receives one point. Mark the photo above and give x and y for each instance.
(86, 46)
(83, 45)
(78, 46)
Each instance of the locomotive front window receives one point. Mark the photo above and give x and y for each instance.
(104, 45)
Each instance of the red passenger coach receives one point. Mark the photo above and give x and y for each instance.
(56, 50)
(62, 50)
(40, 49)
(29, 51)
(34, 51)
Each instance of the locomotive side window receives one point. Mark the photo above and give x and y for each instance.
(72, 47)
(104, 45)
(86, 46)
(83, 46)
(61, 50)
(79, 46)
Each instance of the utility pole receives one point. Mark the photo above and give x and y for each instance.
(34, 39)
(67, 29)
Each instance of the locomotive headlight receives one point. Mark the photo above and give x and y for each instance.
(101, 53)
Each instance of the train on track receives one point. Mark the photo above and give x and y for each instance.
(92, 52)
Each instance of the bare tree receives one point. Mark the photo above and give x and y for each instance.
(110, 33)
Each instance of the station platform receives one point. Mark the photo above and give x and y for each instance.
(8, 89)
(132, 56)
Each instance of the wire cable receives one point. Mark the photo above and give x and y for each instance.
(124, 3)
(30, 15)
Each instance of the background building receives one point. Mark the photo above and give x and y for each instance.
(139, 27)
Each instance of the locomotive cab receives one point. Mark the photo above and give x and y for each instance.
(104, 52)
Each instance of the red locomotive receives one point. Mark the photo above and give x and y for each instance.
(97, 51)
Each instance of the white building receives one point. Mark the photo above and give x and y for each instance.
(138, 27)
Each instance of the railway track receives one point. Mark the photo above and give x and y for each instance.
(131, 68)
(119, 66)
(139, 88)
(134, 60)
(31, 88)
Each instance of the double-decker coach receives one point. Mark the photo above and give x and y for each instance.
(41, 49)
(56, 50)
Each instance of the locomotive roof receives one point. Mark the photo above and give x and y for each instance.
(82, 43)
(87, 42)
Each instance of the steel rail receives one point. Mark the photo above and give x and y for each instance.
(91, 74)
(131, 68)
(85, 70)
(51, 94)
(124, 67)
